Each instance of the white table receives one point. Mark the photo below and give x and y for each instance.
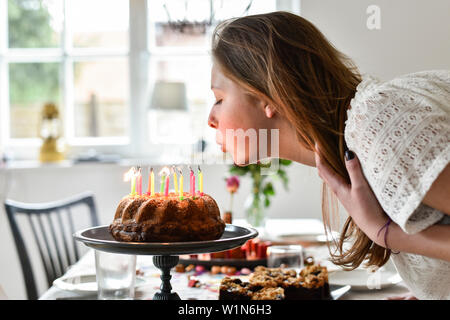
(210, 283)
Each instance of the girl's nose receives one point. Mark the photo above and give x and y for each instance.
(212, 120)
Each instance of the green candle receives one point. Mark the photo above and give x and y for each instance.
(163, 181)
(133, 181)
(163, 173)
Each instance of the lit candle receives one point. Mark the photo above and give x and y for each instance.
(200, 180)
(151, 183)
(175, 180)
(163, 173)
(133, 182)
(191, 175)
(139, 181)
(166, 192)
(131, 175)
(181, 185)
(163, 181)
(192, 183)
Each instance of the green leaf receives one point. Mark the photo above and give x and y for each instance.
(268, 189)
(240, 171)
(260, 187)
(284, 178)
(285, 162)
(265, 165)
(266, 202)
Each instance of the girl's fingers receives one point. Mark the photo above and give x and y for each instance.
(354, 170)
(336, 183)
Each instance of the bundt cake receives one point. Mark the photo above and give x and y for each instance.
(159, 218)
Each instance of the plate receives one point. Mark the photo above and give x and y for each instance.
(362, 280)
(100, 238)
(87, 283)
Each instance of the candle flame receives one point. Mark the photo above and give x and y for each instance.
(164, 172)
(180, 170)
(172, 169)
(199, 169)
(129, 174)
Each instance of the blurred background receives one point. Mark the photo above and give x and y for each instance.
(108, 68)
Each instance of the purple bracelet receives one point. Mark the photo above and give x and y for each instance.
(385, 235)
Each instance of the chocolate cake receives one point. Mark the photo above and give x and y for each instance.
(278, 284)
(143, 218)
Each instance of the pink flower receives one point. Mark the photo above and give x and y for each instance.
(232, 184)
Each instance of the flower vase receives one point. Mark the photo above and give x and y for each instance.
(255, 212)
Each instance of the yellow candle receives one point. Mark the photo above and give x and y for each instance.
(175, 180)
(149, 181)
(133, 182)
(131, 175)
(200, 176)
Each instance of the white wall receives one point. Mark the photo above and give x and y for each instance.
(414, 36)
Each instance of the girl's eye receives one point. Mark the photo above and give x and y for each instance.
(218, 102)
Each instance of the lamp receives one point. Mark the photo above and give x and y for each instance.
(169, 96)
(167, 114)
(49, 131)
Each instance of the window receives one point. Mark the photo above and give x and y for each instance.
(99, 61)
(68, 53)
(179, 44)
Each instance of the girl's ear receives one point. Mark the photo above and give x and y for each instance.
(269, 111)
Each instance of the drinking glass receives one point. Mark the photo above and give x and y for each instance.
(285, 256)
(116, 274)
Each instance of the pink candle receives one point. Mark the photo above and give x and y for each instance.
(139, 182)
(191, 176)
(166, 191)
(193, 185)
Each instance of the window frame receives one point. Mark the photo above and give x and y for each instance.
(142, 55)
(66, 55)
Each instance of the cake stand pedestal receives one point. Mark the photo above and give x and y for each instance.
(165, 263)
(165, 254)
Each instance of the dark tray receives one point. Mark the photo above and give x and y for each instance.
(101, 239)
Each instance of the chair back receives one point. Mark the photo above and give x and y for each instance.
(52, 236)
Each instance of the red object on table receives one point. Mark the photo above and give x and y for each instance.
(253, 249)
(256, 249)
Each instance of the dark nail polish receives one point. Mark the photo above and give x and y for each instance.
(349, 155)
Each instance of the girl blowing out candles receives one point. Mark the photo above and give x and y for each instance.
(382, 148)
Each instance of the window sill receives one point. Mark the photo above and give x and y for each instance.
(214, 158)
(34, 164)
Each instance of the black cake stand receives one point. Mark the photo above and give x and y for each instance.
(165, 254)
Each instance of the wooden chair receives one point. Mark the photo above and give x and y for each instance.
(53, 245)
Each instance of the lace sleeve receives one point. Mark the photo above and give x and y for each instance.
(402, 138)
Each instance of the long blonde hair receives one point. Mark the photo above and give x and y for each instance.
(288, 61)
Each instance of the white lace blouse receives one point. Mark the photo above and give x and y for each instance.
(400, 131)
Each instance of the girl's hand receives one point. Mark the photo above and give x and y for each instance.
(362, 205)
(357, 197)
